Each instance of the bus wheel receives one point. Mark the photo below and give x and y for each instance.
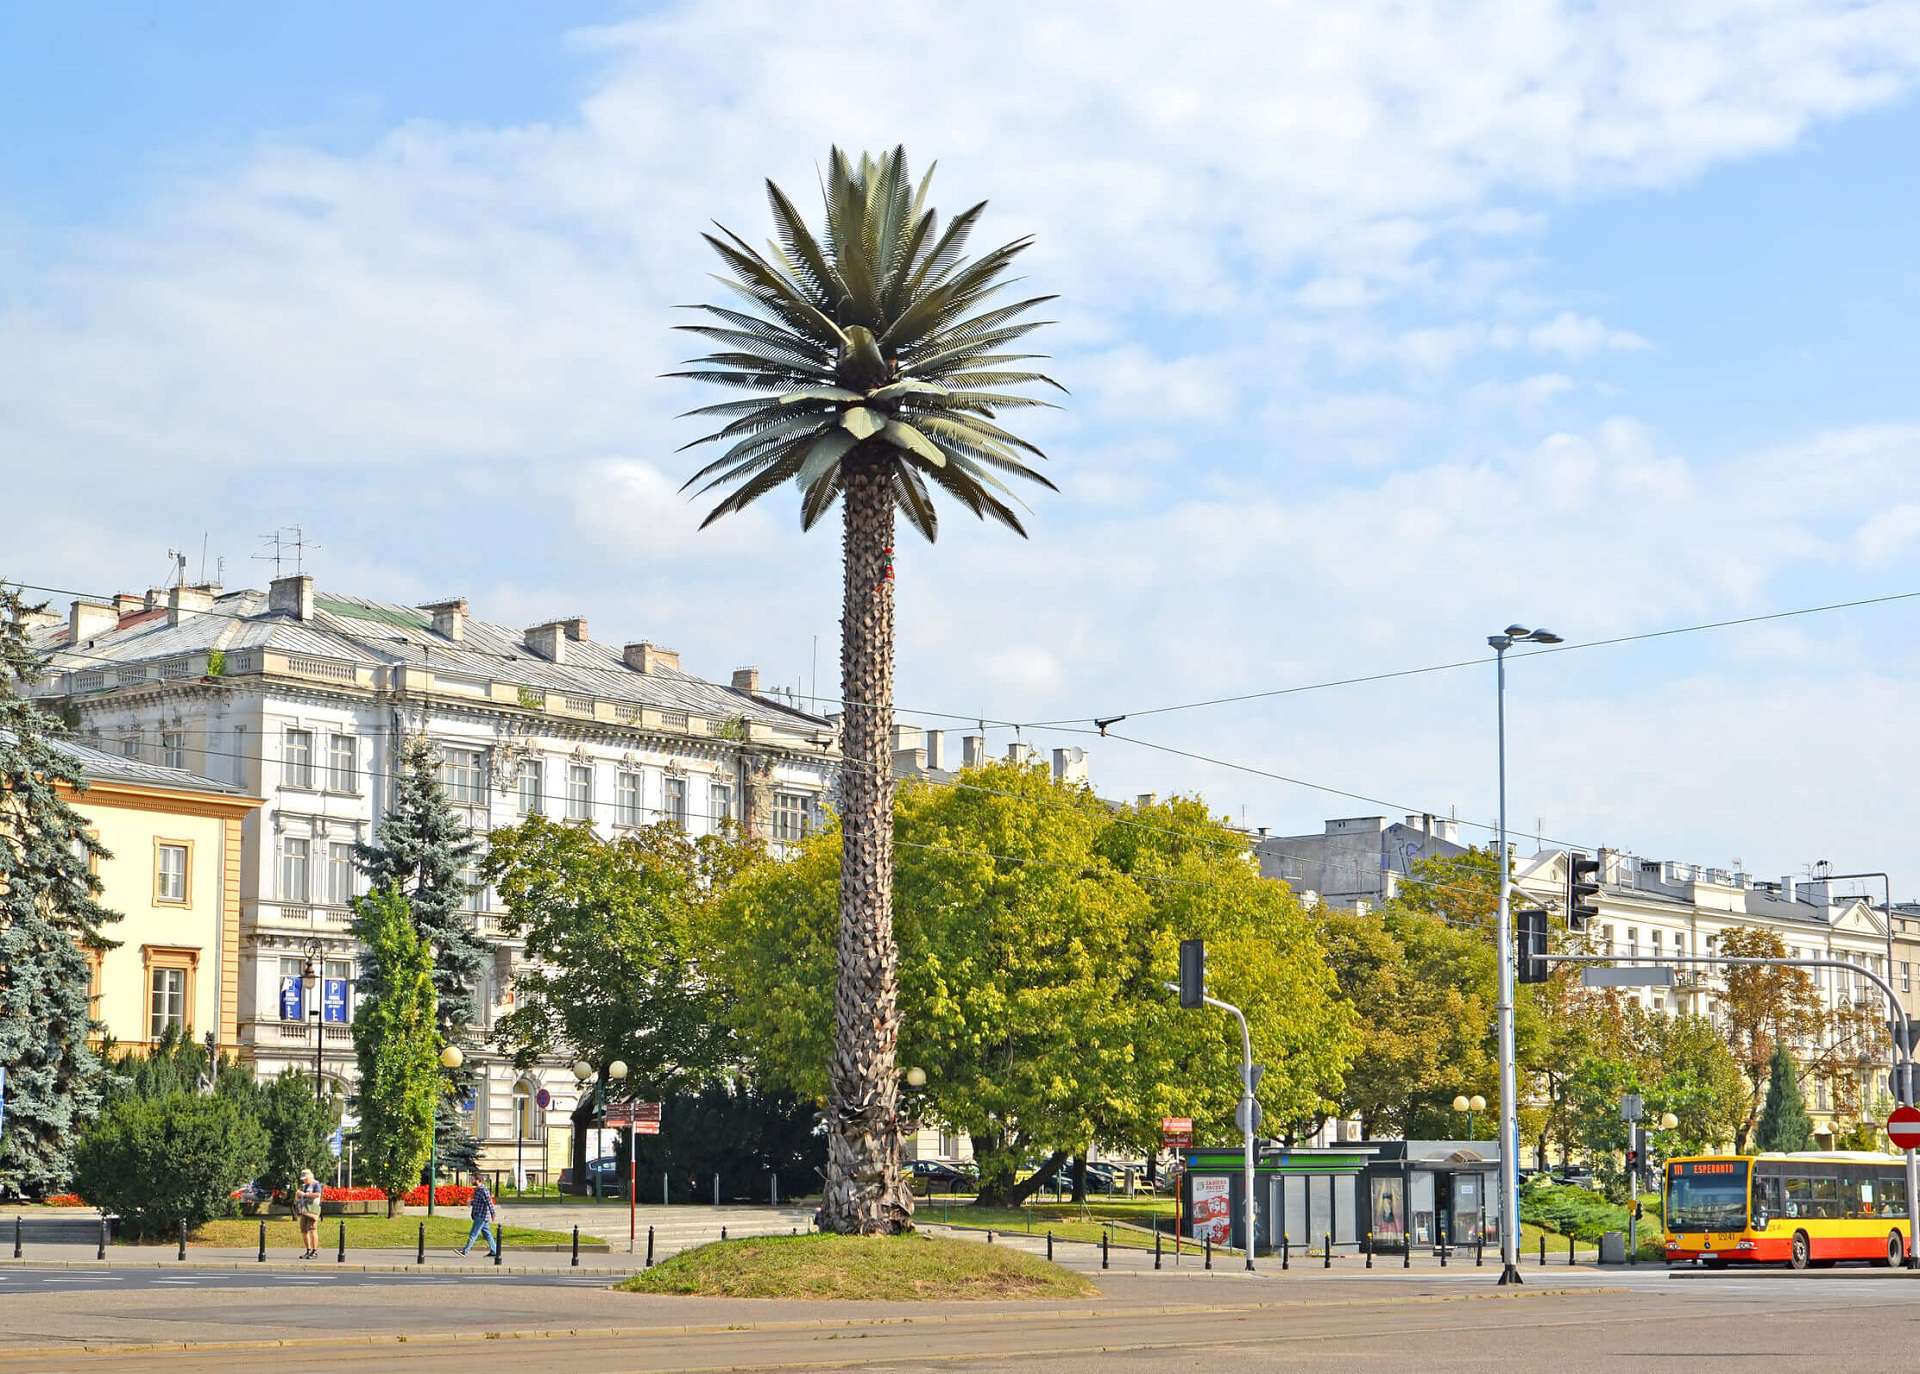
(1802, 1253)
(1896, 1252)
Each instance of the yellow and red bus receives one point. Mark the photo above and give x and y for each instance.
(1804, 1209)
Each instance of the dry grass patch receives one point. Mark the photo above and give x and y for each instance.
(909, 1268)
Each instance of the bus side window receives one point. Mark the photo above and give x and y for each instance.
(1799, 1195)
(1893, 1194)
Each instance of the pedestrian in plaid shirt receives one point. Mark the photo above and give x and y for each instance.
(484, 1215)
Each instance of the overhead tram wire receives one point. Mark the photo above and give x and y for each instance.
(1115, 716)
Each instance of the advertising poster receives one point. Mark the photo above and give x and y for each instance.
(1213, 1209)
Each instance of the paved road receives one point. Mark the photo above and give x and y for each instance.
(1584, 1321)
(20, 1280)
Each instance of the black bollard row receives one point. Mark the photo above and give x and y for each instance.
(103, 1239)
(1543, 1252)
(1569, 1251)
(499, 1243)
(1369, 1249)
(16, 1237)
(649, 1247)
(1103, 1248)
(1479, 1250)
(420, 1253)
(576, 1248)
(183, 1240)
(1049, 1245)
(341, 1257)
(1156, 1243)
(1286, 1249)
(1326, 1256)
(263, 1240)
(1209, 1249)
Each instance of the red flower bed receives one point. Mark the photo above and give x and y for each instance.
(65, 1200)
(446, 1195)
(353, 1195)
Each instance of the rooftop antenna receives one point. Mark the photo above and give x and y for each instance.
(300, 546)
(177, 567)
(275, 557)
(203, 555)
(294, 548)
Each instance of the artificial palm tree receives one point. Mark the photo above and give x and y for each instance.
(877, 366)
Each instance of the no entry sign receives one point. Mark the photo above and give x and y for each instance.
(1903, 1128)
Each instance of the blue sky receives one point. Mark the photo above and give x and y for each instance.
(1605, 320)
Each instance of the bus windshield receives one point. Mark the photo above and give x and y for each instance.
(1707, 1195)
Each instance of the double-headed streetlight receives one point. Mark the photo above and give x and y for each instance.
(1503, 937)
(450, 1059)
(1469, 1105)
(616, 1073)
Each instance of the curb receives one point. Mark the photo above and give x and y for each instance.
(9, 1354)
(313, 1267)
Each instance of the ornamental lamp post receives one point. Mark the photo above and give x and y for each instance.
(450, 1059)
(1469, 1105)
(617, 1072)
(310, 974)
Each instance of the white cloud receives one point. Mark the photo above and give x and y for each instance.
(1580, 336)
(1889, 532)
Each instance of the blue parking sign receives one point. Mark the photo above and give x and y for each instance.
(333, 1001)
(293, 998)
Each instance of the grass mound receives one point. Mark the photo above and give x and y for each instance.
(909, 1268)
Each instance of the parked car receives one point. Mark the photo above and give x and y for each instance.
(937, 1176)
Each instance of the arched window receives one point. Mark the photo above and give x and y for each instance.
(527, 1116)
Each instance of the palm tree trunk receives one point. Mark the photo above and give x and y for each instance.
(864, 1191)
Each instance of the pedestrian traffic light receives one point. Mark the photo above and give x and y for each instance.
(1193, 973)
(1583, 888)
(1532, 938)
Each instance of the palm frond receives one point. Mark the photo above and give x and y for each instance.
(915, 502)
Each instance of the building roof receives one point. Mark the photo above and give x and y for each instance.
(96, 765)
(382, 634)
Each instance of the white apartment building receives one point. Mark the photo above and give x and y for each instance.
(304, 698)
(1651, 907)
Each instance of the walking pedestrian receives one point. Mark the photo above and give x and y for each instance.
(485, 1215)
(306, 1206)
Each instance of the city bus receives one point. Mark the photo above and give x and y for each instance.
(1804, 1210)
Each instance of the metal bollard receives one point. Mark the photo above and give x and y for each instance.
(716, 1190)
(773, 1186)
(420, 1253)
(1103, 1248)
(16, 1237)
(1440, 1248)
(499, 1243)
(1326, 1258)
(1049, 1245)
(1569, 1252)
(341, 1258)
(1369, 1250)
(183, 1240)
(989, 1235)
(1156, 1242)
(1479, 1250)
(1406, 1249)
(263, 1240)
(1209, 1250)
(649, 1247)
(723, 1233)
(1543, 1252)
(103, 1239)
(576, 1248)
(1286, 1248)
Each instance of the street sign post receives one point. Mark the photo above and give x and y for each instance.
(1903, 1128)
(1176, 1132)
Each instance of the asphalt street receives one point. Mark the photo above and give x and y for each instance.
(18, 1281)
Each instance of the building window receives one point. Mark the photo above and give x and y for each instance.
(338, 890)
(343, 764)
(792, 815)
(720, 803)
(297, 759)
(627, 797)
(170, 873)
(130, 746)
(336, 993)
(173, 749)
(526, 1112)
(475, 890)
(1906, 977)
(167, 1005)
(579, 791)
(463, 772)
(529, 783)
(294, 876)
(239, 759)
(675, 800)
(293, 990)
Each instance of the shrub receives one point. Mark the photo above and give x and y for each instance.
(1583, 1214)
(298, 1128)
(159, 1161)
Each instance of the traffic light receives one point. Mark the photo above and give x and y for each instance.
(1193, 973)
(1583, 889)
(1532, 938)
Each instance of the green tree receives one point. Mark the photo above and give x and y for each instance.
(177, 1157)
(615, 959)
(1034, 962)
(299, 1128)
(424, 851)
(397, 1046)
(1784, 1123)
(50, 916)
(877, 367)
(1691, 1073)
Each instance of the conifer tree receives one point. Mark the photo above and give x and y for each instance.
(50, 916)
(1784, 1123)
(397, 1045)
(422, 851)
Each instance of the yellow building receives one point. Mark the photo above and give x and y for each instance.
(173, 875)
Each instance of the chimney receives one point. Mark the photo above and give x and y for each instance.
(973, 750)
(648, 658)
(907, 737)
(449, 617)
(155, 598)
(936, 749)
(576, 627)
(87, 618)
(40, 619)
(1070, 765)
(549, 641)
(128, 602)
(182, 602)
(1786, 888)
(1146, 799)
(293, 594)
(746, 679)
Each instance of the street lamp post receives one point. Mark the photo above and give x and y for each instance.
(1469, 1105)
(616, 1072)
(310, 974)
(1503, 939)
(450, 1059)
